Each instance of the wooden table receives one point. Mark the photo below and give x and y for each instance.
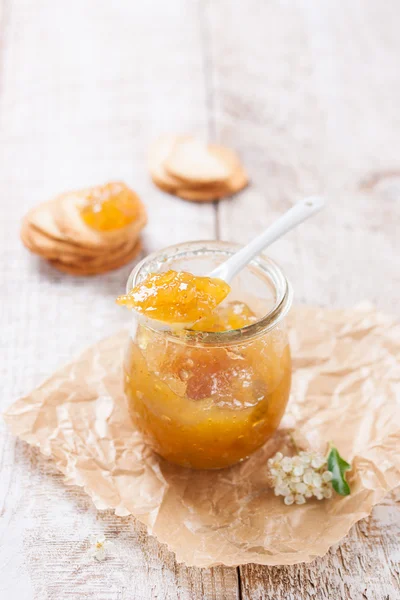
(309, 94)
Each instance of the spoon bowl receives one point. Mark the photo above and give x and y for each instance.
(226, 271)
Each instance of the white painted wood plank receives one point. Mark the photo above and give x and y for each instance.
(365, 565)
(85, 86)
(309, 95)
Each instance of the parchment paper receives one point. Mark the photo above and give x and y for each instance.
(346, 378)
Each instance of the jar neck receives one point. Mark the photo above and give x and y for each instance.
(161, 260)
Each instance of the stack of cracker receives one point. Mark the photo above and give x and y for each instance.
(89, 231)
(193, 170)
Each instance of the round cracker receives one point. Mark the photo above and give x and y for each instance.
(75, 230)
(226, 156)
(42, 218)
(198, 191)
(48, 247)
(110, 256)
(235, 183)
(51, 219)
(83, 270)
(158, 153)
(38, 243)
(164, 187)
(53, 250)
(27, 241)
(196, 195)
(195, 162)
(238, 181)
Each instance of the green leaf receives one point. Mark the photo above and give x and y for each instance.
(338, 467)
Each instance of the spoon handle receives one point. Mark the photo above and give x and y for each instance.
(294, 216)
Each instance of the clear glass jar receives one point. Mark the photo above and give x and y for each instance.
(207, 400)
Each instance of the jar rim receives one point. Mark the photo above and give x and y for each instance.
(282, 287)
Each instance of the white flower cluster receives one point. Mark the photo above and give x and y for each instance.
(300, 477)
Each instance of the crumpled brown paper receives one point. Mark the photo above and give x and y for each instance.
(346, 369)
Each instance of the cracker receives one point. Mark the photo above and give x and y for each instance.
(56, 231)
(48, 247)
(75, 230)
(84, 269)
(53, 250)
(37, 242)
(101, 259)
(27, 240)
(157, 155)
(235, 183)
(199, 195)
(227, 156)
(42, 218)
(238, 181)
(193, 161)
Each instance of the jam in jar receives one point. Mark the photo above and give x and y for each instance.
(210, 396)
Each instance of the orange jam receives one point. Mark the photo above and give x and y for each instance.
(208, 406)
(109, 207)
(176, 297)
(231, 316)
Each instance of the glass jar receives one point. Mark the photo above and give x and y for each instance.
(207, 400)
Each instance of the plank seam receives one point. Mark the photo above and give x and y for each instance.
(239, 578)
(206, 49)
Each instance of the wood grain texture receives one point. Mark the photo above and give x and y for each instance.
(85, 87)
(308, 93)
(364, 566)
